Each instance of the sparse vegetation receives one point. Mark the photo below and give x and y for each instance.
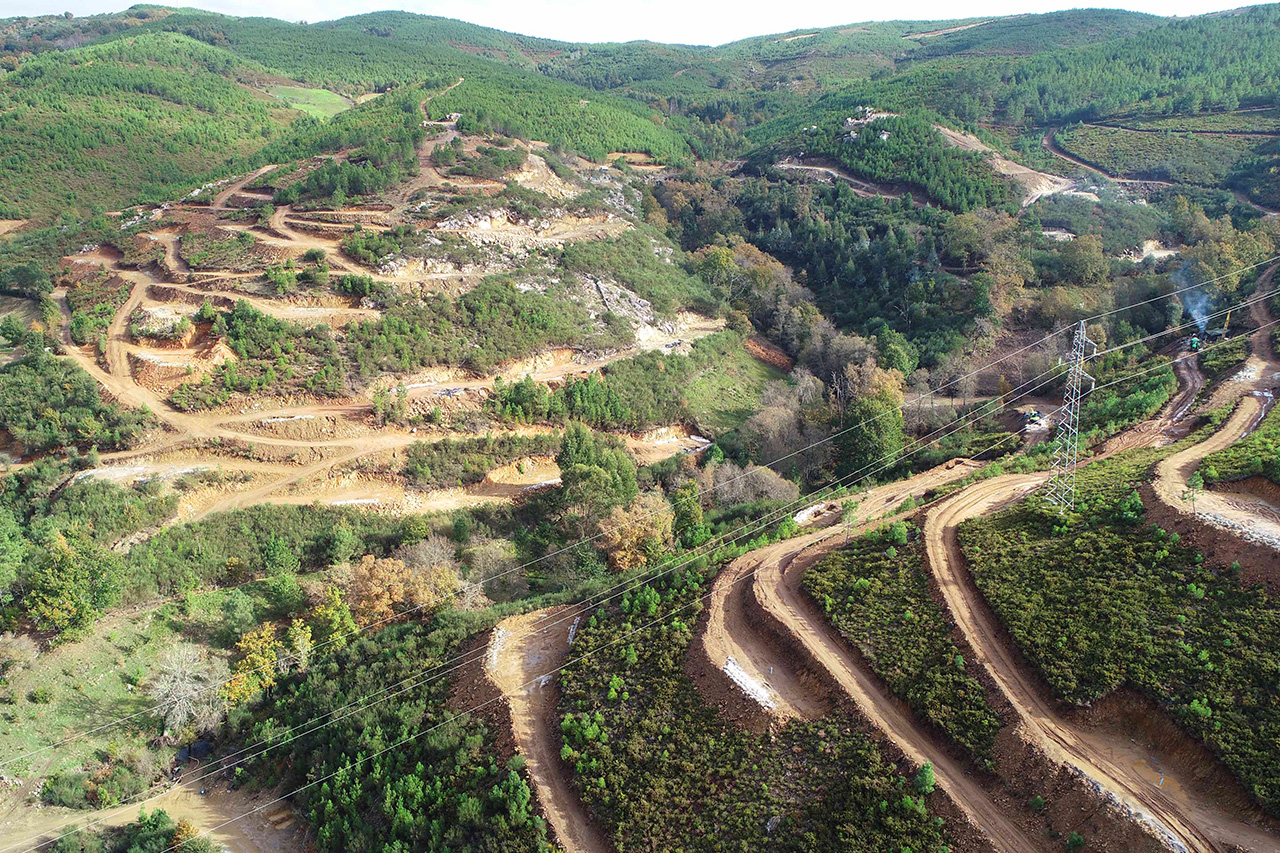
(876, 592)
(1161, 619)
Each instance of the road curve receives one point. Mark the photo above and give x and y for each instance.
(1189, 823)
(521, 651)
(777, 589)
(1255, 384)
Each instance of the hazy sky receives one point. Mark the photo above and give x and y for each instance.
(684, 21)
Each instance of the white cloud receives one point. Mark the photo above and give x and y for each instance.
(673, 21)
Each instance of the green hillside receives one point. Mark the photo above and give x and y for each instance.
(136, 118)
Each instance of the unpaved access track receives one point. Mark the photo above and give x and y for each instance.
(298, 465)
(1251, 517)
(242, 822)
(1035, 185)
(523, 650)
(1188, 819)
(768, 580)
(1170, 801)
(861, 188)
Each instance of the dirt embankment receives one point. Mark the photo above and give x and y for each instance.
(777, 589)
(1170, 484)
(1177, 810)
(768, 352)
(763, 643)
(825, 170)
(1035, 185)
(1252, 519)
(524, 654)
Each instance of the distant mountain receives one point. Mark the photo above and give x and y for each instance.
(117, 83)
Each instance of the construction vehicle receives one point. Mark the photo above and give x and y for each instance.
(1194, 343)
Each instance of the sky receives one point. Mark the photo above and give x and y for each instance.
(672, 21)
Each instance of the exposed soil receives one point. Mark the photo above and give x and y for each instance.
(246, 823)
(1171, 421)
(1251, 518)
(745, 621)
(865, 189)
(524, 653)
(302, 443)
(932, 33)
(1035, 185)
(1176, 810)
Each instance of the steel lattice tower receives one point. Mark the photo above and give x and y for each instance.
(1066, 450)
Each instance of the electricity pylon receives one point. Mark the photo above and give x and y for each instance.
(1066, 449)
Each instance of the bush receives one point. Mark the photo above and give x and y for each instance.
(878, 597)
(1160, 618)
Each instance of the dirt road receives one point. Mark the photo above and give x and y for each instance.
(731, 632)
(777, 589)
(1187, 820)
(274, 829)
(731, 639)
(1048, 143)
(1164, 427)
(1251, 517)
(521, 651)
(220, 200)
(1035, 185)
(862, 188)
(319, 455)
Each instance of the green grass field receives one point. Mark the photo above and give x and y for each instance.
(721, 399)
(88, 682)
(320, 103)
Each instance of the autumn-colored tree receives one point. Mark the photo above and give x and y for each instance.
(185, 831)
(334, 624)
(256, 669)
(639, 533)
(376, 582)
(382, 587)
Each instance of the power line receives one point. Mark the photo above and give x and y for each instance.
(479, 706)
(585, 540)
(525, 565)
(1066, 451)
(554, 670)
(440, 670)
(922, 443)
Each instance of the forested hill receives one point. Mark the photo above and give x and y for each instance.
(107, 123)
(110, 114)
(162, 100)
(1210, 63)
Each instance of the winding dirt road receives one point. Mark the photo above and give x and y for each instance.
(1251, 517)
(773, 576)
(1187, 820)
(521, 650)
(861, 188)
(313, 456)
